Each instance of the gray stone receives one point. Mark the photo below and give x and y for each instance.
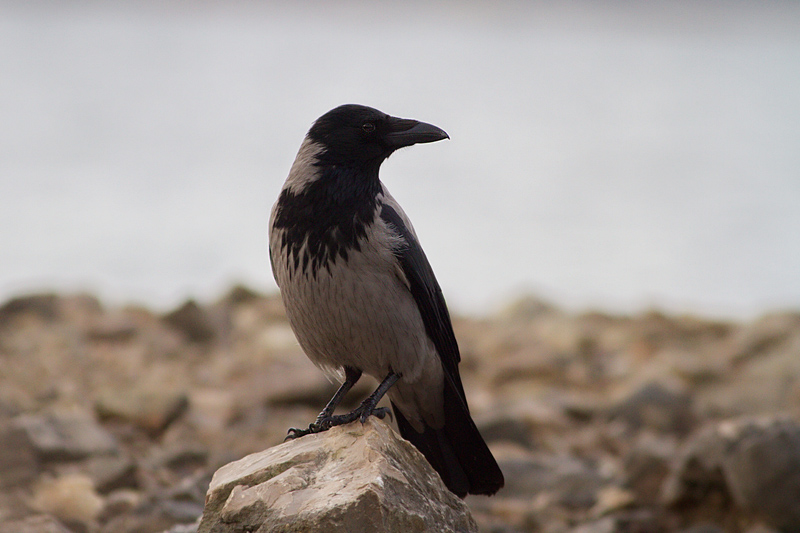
(120, 502)
(508, 428)
(154, 513)
(111, 472)
(18, 464)
(150, 408)
(703, 528)
(193, 321)
(43, 306)
(656, 407)
(34, 524)
(748, 468)
(113, 328)
(184, 528)
(288, 384)
(604, 525)
(562, 479)
(239, 294)
(760, 528)
(647, 464)
(66, 436)
(180, 510)
(352, 478)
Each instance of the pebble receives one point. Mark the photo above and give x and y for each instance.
(18, 462)
(37, 523)
(656, 407)
(63, 436)
(756, 461)
(612, 498)
(151, 409)
(195, 322)
(71, 498)
(600, 422)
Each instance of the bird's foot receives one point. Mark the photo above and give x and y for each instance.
(324, 423)
(362, 412)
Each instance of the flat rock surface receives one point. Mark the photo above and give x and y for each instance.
(352, 478)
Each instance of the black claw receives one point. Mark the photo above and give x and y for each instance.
(295, 433)
(362, 412)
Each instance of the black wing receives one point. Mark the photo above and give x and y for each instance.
(428, 296)
(457, 451)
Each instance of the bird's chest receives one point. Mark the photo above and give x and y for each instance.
(348, 306)
(336, 288)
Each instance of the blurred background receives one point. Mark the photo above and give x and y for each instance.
(612, 159)
(617, 155)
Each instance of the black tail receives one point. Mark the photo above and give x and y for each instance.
(456, 451)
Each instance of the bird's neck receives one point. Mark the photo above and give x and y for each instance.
(348, 186)
(329, 216)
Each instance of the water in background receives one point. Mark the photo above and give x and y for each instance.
(601, 155)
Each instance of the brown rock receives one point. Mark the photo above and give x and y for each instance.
(523, 421)
(656, 407)
(646, 466)
(18, 464)
(34, 524)
(113, 328)
(612, 498)
(527, 307)
(184, 528)
(604, 525)
(562, 479)
(42, 306)
(71, 499)
(193, 321)
(111, 472)
(211, 410)
(287, 384)
(703, 528)
(240, 294)
(763, 336)
(120, 502)
(350, 478)
(150, 408)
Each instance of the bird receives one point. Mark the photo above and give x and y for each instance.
(362, 298)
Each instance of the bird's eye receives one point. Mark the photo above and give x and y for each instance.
(368, 127)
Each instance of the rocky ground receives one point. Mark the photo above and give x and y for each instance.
(114, 420)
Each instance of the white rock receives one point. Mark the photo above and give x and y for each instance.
(351, 478)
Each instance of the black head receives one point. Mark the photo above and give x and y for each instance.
(357, 134)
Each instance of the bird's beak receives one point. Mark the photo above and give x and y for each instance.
(405, 132)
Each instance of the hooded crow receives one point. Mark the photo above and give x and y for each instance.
(361, 296)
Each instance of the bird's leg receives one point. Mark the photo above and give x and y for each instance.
(368, 406)
(351, 376)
